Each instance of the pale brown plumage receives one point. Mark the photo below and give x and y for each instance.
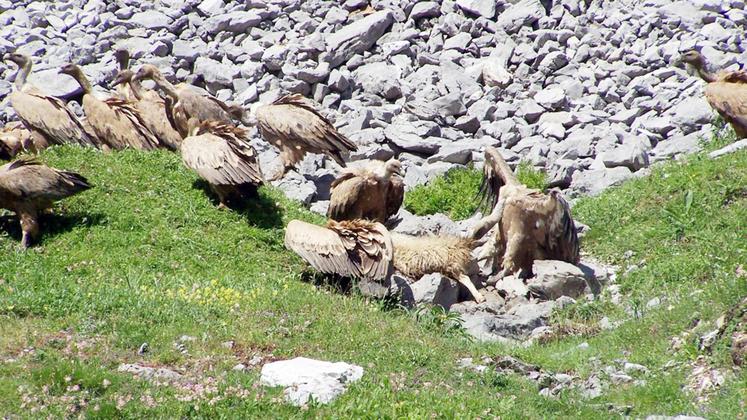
(293, 126)
(28, 187)
(531, 225)
(188, 103)
(726, 91)
(123, 90)
(367, 250)
(152, 109)
(45, 115)
(221, 155)
(116, 122)
(16, 138)
(374, 192)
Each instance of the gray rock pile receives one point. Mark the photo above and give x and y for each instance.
(586, 92)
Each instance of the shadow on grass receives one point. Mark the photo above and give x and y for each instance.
(51, 224)
(332, 282)
(258, 210)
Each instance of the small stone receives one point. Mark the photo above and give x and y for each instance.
(304, 379)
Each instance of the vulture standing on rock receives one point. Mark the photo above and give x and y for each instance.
(44, 115)
(292, 125)
(531, 225)
(725, 91)
(115, 121)
(152, 109)
(188, 103)
(27, 187)
(221, 155)
(367, 250)
(368, 193)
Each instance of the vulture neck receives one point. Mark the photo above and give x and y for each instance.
(22, 75)
(167, 88)
(83, 81)
(136, 88)
(702, 69)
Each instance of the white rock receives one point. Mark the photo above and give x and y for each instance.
(304, 379)
(357, 37)
(484, 8)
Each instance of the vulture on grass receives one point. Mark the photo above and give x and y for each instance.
(116, 122)
(531, 225)
(726, 92)
(27, 187)
(45, 115)
(188, 102)
(16, 138)
(152, 109)
(221, 155)
(293, 126)
(367, 250)
(372, 193)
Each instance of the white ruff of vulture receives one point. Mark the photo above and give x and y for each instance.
(43, 114)
(28, 187)
(293, 126)
(151, 107)
(372, 193)
(726, 91)
(367, 250)
(221, 155)
(116, 122)
(188, 102)
(16, 138)
(531, 225)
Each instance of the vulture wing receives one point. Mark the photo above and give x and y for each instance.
(354, 248)
(347, 192)
(219, 157)
(50, 116)
(28, 179)
(730, 101)
(204, 108)
(395, 195)
(561, 240)
(125, 110)
(292, 119)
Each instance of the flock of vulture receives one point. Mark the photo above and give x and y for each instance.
(526, 224)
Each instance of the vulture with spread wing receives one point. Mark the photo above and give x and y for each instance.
(293, 126)
(28, 187)
(373, 193)
(188, 102)
(531, 225)
(152, 109)
(45, 115)
(726, 92)
(116, 122)
(220, 154)
(367, 250)
(16, 138)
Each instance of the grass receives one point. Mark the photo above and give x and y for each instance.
(145, 256)
(456, 193)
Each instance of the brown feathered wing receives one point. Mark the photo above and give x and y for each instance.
(51, 117)
(355, 248)
(728, 97)
(29, 180)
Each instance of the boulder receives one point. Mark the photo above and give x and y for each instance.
(305, 379)
(484, 8)
(357, 37)
(379, 79)
(553, 279)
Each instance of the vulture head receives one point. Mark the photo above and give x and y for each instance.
(122, 77)
(21, 60)
(149, 71)
(393, 167)
(693, 58)
(76, 73)
(123, 58)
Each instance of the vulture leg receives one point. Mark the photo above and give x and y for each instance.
(479, 298)
(29, 227)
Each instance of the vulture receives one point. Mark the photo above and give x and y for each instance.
(531, 225)
(293, 126)
(367, 250)
(726, 92)
(44, 115)
(368, 193)
(16, 138)
(151, 107)
(220, 154)
(27, 187)
(188, 103)
(116, 122)
(123, 90)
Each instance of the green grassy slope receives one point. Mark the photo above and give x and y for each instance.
(146, 257)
